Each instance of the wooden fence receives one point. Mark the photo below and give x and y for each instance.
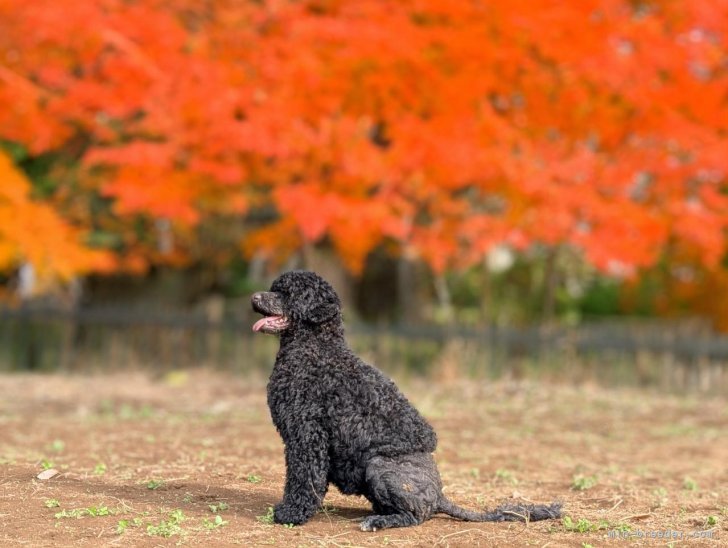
(671, 356)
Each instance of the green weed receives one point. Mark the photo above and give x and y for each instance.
(583, 525)
(215, 508)
(214, 524)
(267, 518)
(128, 412)
(620, 527)
(75, 513)
(689, 484)
(57, 446)
(100, 469)
(93, 511)
(642, 470)
(506, 475)
(52, 503)
(660, 496)
(170, 526)
(582, 483)
(154, 484)
(252, 478)
(124, 524)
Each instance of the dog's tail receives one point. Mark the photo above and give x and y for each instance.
(505, 512)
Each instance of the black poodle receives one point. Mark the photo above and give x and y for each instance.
(343, 422)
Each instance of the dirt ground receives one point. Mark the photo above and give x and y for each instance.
(191, 458)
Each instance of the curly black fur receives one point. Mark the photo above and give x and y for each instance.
(343, 422)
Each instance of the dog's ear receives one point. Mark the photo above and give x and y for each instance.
(322, 313)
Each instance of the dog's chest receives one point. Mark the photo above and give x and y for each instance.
(291, 396)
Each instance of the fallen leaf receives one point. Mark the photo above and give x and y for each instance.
(48, 474)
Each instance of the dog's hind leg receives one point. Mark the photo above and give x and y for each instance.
(403, 490)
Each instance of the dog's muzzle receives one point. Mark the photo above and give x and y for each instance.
(269, 304)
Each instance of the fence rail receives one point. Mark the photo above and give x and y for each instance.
(676, 356)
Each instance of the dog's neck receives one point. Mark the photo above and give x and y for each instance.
(323, 332)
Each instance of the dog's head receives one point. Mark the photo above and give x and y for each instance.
(296, 300)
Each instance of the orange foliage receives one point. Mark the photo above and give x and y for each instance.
(33, 232)
(444, 127)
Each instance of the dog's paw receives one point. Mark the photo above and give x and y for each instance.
(370, 524)
(288, 515)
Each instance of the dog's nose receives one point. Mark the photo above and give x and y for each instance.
(257, 297)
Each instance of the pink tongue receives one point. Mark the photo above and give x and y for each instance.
(262, 322)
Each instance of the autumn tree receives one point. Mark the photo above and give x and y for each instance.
(32, 233)
(178, 132)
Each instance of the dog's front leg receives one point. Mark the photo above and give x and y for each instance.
(307, 467)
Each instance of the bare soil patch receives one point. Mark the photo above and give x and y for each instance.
(193, 455)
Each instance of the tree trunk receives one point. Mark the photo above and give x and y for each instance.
(551, 282)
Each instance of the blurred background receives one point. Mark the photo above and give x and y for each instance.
(497, 188)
